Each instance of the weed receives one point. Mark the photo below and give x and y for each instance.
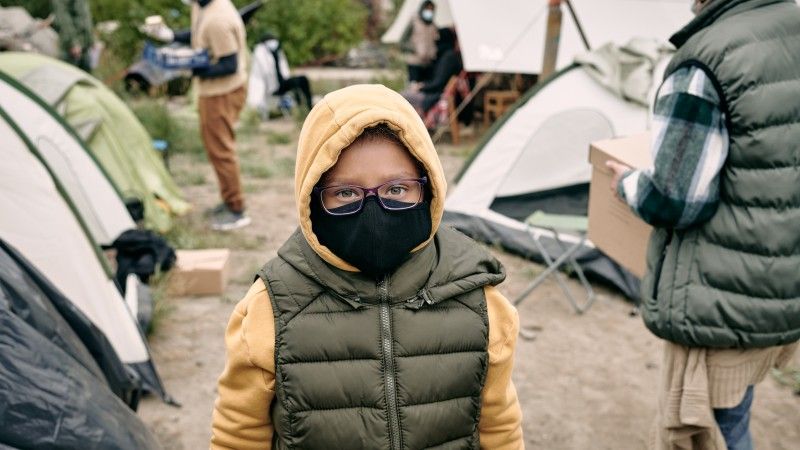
(394, 80)
(186, 178)
(283, 167)
(256, 170)
(192, 233)
(276, 138)
(181, 133)
(249, 121)
(252, 188)
(322, 87)
(788, 377)
(162, 307)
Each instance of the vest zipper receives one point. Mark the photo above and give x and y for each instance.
(389, 374)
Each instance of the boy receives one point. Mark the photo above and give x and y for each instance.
(373, 328)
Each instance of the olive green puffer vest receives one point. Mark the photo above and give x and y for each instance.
(398, 364)
(734, 282)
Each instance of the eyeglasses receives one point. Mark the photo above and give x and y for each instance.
(395, 195)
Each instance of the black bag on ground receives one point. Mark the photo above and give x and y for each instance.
(143, 253)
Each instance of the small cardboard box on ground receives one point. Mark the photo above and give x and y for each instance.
(200, 272)
(613, 227)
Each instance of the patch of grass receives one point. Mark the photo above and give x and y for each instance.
(252, 188)
(249, 121)
(788, 377)
(282, 167)
(192, 233)
(395, 81)
(181, 133)
(277, 138)
(256, 169)
(162, 307)
(186, 178)
(324, 86)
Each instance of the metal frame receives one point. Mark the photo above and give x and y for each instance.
(568, 256)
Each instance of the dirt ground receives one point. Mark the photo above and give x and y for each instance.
(584, 382)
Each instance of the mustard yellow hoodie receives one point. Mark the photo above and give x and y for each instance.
(241, 418)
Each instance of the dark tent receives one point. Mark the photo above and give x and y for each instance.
(61, 383)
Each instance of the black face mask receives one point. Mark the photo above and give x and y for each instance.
(374, 240)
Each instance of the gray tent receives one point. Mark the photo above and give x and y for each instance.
(536, 159)
(53, 217)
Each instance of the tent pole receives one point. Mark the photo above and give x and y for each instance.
(552, 36)
(578, 24)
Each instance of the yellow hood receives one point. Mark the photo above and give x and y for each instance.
(334, 123)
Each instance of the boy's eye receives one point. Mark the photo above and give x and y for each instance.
(347, 194)
(396, 190)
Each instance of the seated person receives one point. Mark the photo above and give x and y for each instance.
(270, 60)
(423, 96)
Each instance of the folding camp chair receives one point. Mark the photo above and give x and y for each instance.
(555, 223)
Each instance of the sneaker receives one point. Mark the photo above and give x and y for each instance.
(228, 220)
(215, 210)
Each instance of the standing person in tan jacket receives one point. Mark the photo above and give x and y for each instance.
(217, 28)
(422, 43)
(373, 327)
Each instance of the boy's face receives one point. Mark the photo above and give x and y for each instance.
(370, 163)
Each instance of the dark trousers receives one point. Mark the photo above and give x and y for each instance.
(298, 85)
(418, 73)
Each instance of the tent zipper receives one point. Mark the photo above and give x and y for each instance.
(389, 374)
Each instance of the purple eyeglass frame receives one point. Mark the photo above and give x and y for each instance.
(367, 192)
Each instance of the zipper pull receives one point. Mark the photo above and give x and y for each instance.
(426, 296)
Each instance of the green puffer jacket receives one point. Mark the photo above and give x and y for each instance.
(734, 282)
(397, 364)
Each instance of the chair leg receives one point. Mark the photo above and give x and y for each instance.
(590, 296)
(454, 127)
(568, 255)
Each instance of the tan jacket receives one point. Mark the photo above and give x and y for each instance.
(695, 381)
(423, 42)
(241, 417)
(219, 29)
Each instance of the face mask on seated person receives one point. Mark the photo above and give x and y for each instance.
(374, 240)
(426, 15)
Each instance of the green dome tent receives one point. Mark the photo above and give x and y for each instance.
(113, 134)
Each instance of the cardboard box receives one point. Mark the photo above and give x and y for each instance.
(613, 227)
(200, 272)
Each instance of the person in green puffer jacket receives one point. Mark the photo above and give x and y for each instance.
(373, 327)
(723, 195)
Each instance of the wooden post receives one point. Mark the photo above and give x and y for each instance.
(552, 36)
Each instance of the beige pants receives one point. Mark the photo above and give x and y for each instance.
(218, 115)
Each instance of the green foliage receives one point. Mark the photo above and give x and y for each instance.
(311, 30)
(257, 168)
(277, 138)
(788, 377)
(126, 43)
(181, 133)
(162, 307)
(36, 8)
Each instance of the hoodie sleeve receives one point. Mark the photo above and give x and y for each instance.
(500, 424)
(241, 418)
